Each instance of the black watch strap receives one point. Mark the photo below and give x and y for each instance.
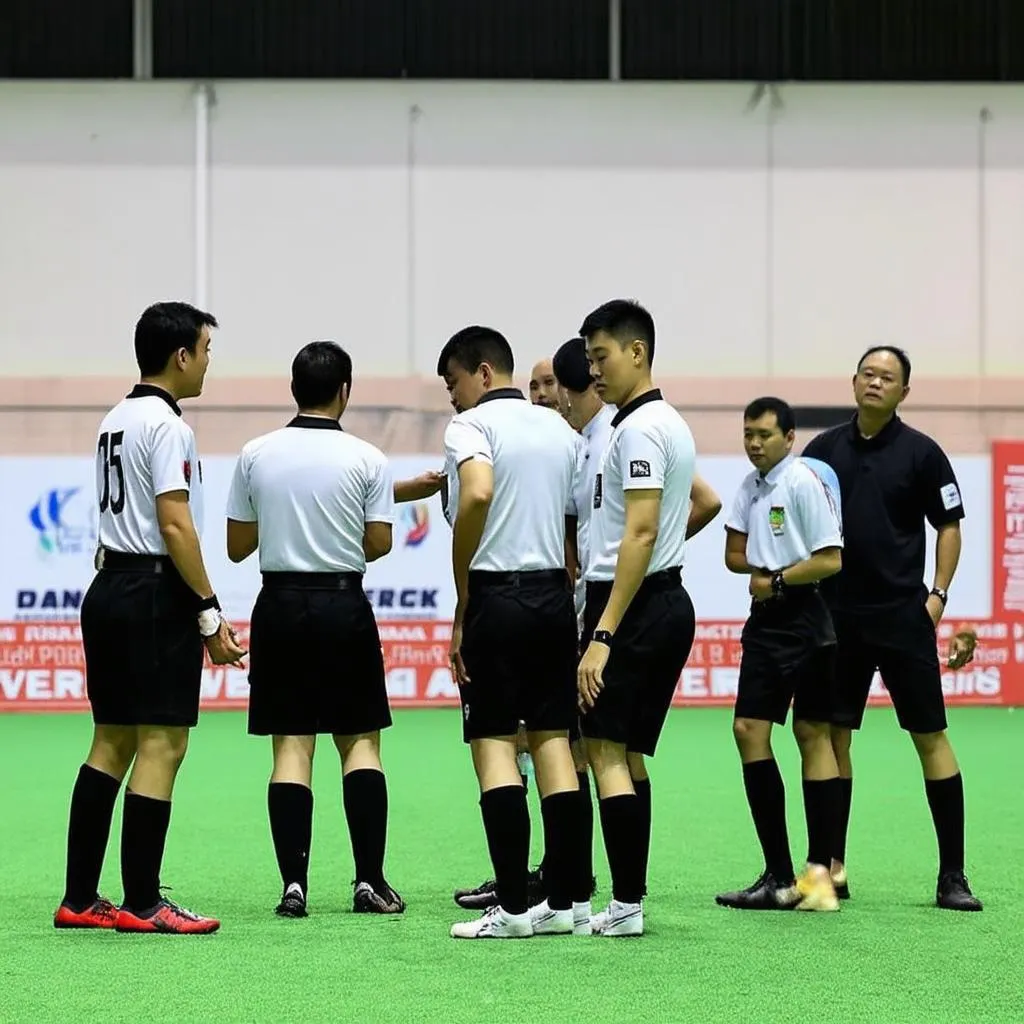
(778, 583)
(940, 594)
(602, 636)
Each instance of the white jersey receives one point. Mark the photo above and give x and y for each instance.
(533, 452)
(144, 449)
(596, 435)
(787, 515)
(311, 488)
(650, 448)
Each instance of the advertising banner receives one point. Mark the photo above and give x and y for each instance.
(48, 537)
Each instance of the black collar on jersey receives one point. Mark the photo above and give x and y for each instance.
(654, 395)
(314, 422)
(152, 391)
(490, 396)
(887, 434)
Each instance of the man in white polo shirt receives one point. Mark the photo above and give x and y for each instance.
(516, 465)
(319, 504)
(544, 385)
(145, 618)
(785, 532)
(638, 618)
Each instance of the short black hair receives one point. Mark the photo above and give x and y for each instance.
(782, 409)
(164, 328)
(319, 372)
(904, 359)
(475, 345)
(625, 320)
(571, 366)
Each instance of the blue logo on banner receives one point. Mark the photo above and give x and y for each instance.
(62, 523)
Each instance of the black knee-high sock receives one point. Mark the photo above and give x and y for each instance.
(585, 875)
(821, 807)
(143, 835)
(290, 806)
(366, 809)
(562, 848)
(621, 823)
(643, 792)
(766, 796)
(92, 809)
(844, 801)
(507, 825)
(946, 800)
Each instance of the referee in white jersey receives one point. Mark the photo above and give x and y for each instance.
(785, 532)
(144, 620)
(639, 620)
(319, 504)
(516, 464)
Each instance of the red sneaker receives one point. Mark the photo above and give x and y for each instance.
(167, 918)
(102, 914)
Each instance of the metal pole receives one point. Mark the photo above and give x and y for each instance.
(614, 40)
(142, 39)
(415, 113)
(201, 225)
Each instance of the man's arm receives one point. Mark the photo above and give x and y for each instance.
(948, 542)
(705, 505)
(822, 564)
(178, 531)
(419, 488)
(378, 509)
(476, 491)
(736, 552)
(643, 508)
(243, 539)
(820, 525)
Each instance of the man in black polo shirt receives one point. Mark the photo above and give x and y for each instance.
(892, 479)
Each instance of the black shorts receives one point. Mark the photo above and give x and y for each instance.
(143, 650)
(789, 652)
(315, 659)
(900, 643)
(519, 647)
(648, 653)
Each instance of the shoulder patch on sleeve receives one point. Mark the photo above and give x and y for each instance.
(950, 496)
(639, 468)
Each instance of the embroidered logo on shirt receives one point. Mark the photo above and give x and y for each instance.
(777, 519)
(187, 469)
(639, 468)
(950, 496)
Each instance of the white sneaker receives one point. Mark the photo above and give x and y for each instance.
(546, 921)
(494, 924)
(618, 920)
(581, 918)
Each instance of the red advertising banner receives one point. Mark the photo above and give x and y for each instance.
(42, 667)
(1008, 530)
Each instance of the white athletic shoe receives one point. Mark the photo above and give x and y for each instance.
(581, 918)
(618, 920)
(494, 924)
(551, 922)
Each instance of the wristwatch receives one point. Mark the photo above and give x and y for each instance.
(940, 594)
(209, 617)
(778, 584)
(602, 636)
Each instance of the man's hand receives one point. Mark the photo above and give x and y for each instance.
(223, 647)
(760, 585)
(589, 681)
(429, 483)
(935, 608)
(961, 648)
(459, 673)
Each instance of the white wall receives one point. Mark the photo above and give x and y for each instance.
(390, 214)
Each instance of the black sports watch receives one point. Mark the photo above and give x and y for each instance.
(940, 594)
(778, 584)
(602, 636)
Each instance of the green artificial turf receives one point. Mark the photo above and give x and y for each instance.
(888, 957)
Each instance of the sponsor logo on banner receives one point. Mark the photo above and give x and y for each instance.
(42, 667)
(415, 521)
(64, 521)
(1008, 529)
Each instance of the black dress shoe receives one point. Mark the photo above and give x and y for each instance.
(953, 892)
(765, 894)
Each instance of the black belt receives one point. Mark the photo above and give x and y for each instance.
(793, 597)
(312, 580)
(527, 578)
(664, 579)
(123, 561)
